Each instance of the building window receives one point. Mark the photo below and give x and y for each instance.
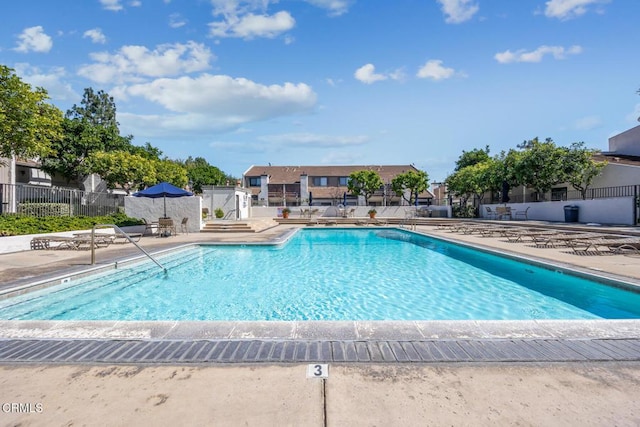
(558, 194)
(254, 182)
(320, 181)
(343, 181)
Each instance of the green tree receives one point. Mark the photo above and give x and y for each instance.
(87, 129)
(201, 173)
(147, 151)
(364, 183)
(580, 168)
(470, 158)
(540, 165)
(123, 169)
(412, 182)
(98, 108)
(28, 124)
(171, 172)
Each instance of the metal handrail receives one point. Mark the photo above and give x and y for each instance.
(93, 246)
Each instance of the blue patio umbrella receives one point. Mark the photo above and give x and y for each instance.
(164, 190)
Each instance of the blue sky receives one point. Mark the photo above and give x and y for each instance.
(314, 82)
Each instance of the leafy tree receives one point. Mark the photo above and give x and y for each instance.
(123, 169)
(87, 129)
(540, 165)
(469, 158)
(509, 162)
(147, 151)
(201, 173)
(364, 183)
(28, 125)
(98, 108)
(171, 172)
(579, 167)
(414, 181)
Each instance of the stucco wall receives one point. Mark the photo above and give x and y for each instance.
(626, 143)
(360, 212)
(616, 174)
(177, 208)
(225, 199)
(617, 210)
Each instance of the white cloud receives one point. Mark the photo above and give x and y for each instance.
(135, 3)
(52, 80)
(176, 20)
(335, 7)
(588, 123)
(458, 11)
(96, 35)
(342, 158)
(434, 70)
(303, 140)
(634, 115)
(367, 74)
(34, 39)
(567, 9)
(398, 74)
(214, 103)
(250, 26)
(134, 63)
(558, 52)
(113, 5)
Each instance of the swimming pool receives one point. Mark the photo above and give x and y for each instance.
(337, 274)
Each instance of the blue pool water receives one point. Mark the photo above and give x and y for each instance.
(338, 274)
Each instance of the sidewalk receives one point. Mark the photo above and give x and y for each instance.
(354, 395)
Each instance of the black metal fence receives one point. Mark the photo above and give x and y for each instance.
(564, 194)
(46, 201)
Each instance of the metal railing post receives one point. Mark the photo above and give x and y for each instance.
(93, 248)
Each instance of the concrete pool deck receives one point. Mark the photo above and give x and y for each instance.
(387, 373)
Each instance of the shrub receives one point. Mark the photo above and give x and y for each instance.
(467, 211)
(219, 213)
(44, 209)
(19, 224)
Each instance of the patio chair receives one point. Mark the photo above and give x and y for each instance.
(149, 226)
(522, 213)
(183, 225)
(562, 239)
(491, 214)
(503, 212)
(520, 235)
(166, 227)
(615, 244)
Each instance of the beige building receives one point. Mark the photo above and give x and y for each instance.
(321, 185)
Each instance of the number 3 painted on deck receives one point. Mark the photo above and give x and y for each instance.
(318, 370)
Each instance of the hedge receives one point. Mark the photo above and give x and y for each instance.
(19, 224)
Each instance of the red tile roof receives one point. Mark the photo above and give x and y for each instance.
(291, 174)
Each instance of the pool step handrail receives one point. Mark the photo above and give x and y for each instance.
(118, 229)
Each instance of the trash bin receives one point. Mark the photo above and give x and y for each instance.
(571, 213)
